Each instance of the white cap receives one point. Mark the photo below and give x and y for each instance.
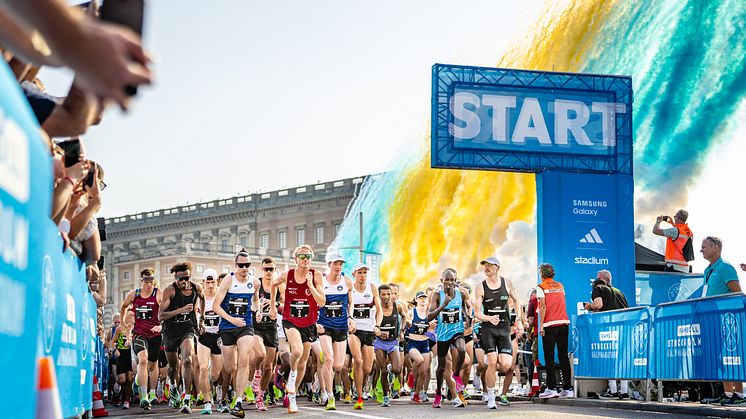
(210, 272)
(491, 260)
(359, 266)
(335, 257)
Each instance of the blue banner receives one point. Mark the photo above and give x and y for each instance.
(614, 344)
(701, 339)
(653, 288)
(88, 348)
(25, 199)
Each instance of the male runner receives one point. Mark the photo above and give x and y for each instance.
(491, 301)
(234, 301)
(177, 312)
(303, 296)
(389, 322)
(146, 335)
(333, 325)
(448, 306)
(208, 344)
(266, 329)
(365, 306)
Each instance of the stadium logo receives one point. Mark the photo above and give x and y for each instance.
(729, 331)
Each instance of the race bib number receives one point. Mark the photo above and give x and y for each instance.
(361, 311)
(238, 306)
(390, 328)
(143, 313)
(420, 328)
(450, 316)
(182, 317)
(333, 309)
(211, 319)
(299, 308)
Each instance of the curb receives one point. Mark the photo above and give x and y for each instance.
(683, 409)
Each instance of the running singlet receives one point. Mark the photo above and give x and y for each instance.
(237, 302)
(146, 314)
(212, 319)
(390, 324)
(300, 307)
(333, 314)
(495, 302)
(182, 322)
(450, 321)
(265, 320)
(122, 341)
(363, 309)
(419, 324)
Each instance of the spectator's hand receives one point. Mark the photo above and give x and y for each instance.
(743, 266)
(95, 191)
(65, 241)
(77, 171)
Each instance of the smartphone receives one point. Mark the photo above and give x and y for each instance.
(129, 13)
(72, 151)
(100, 263)
(88, 181)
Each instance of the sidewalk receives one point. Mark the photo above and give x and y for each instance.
(682, 408)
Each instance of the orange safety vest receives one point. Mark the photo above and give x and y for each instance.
(675, 248)
(554, 299)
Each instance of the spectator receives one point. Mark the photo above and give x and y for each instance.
(605, 297)
(554, 327)
(81, 212)
(721, 278)
(676, 241)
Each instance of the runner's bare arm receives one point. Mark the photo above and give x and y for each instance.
(405, 315)
(126, 303)
(276, 284)
(163, 315)
(219, 297)
(516, 304)
(435, 308)
(255, 300)
(314, 286)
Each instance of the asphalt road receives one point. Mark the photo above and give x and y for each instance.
(404, 409)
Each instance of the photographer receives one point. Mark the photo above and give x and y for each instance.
(81, 213)
(679, 249)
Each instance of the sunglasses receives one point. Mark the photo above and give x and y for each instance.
(182, 278)
(243, 265)
(268, 269)
(306, 256)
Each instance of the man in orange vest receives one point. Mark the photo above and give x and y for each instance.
(555, 331)
(676, 238)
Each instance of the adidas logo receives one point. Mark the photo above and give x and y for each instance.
(592, 237)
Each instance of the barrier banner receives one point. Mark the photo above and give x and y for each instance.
(88, 348)
(701, 339)
(653, 288)
(614, 344)
(24, 207)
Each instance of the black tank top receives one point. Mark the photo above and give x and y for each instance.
(182, 322)
(496, 302)
(265, 320)
(390, 323)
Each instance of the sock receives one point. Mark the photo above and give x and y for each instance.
(142, 390)
(491, 393)
(728, 394)
(291, 380)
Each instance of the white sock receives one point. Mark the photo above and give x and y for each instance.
(291, 379)
(612, 386)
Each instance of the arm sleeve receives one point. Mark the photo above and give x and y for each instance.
(672, 233)
(596, 293)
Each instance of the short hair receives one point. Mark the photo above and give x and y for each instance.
(268, 259)
(393, 285)
(384, 287)
(607, 273)
(147, 272)
(683, 214)
(717, 241)
(448, 270)
(180, 267)
(241, 253)
(546, 270)
(299, 248)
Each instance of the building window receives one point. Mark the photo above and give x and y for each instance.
(336, 228)
(281, 239)
(226, 269)
(300, 236)
(264, 240)
(320, 234)
(225, 243)
(244, 239)
(126, 275)
(168, 270)
(200, 269)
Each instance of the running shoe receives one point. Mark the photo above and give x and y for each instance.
(330, 405)
(416, 398)
(549, 394)
(174, 400)
(504, 400)
(145, 404)
(459, 383)
(292, 405)
(438, 400)
(186, 406)
(286, 401)
(358, 405)
(260, 405)
(568, 394)
(125, 405)
(732, 400)
(348, 398)
(249, 393)
(223, 407)
(491, 403)
(206, 409)
(457, 402)
(423, 396)
(608, 395)
(237, 410)
(386, 402)
(624, 396)
(463, 398)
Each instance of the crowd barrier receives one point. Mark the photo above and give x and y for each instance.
(695, 340)
(47, 309)
(653, 288)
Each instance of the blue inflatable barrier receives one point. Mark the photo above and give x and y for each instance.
(701, 339)
(614, 344)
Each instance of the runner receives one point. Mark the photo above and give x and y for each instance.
(333, 325)
(234, 301)
(177, 312)
(208, 344)
(365, 306)
(121, 342)
(491, 301)
(266, 330)
(448, 306)
(389, 322)
(303, 295)
(146, 336)
(418, 347)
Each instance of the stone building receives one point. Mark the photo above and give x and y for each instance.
(209, 234)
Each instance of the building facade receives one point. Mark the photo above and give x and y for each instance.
(209, 234)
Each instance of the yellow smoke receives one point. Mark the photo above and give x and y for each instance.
(453, 218)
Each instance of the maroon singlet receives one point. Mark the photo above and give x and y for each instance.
(300, 307)
(146, 314)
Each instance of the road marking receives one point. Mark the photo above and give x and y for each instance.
(339, 412)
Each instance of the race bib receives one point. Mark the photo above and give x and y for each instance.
(420, 328)
(299, 308)
(143, 313)
(361, 311)
(238, 306)
(333, 309)
(211, 319)
(182, 317)
(450, 316)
